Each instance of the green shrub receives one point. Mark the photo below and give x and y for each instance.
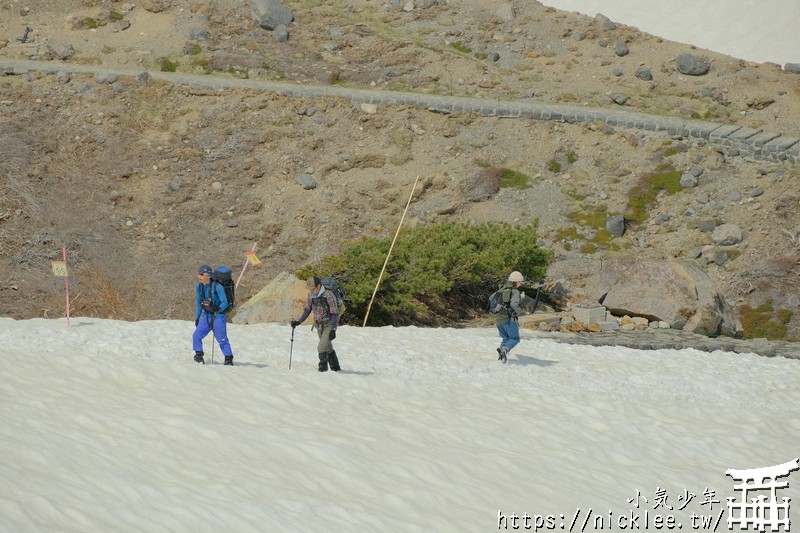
(89, 23)
(554, 166)
(116, 15)
(436, 273)
(571, 157)
(764, 321)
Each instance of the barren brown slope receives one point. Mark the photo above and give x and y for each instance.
(146, 181)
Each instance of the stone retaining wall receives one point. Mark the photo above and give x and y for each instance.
(733, 140)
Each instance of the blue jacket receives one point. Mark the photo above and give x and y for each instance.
(218, 299)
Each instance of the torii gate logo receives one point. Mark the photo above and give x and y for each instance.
(759, 511)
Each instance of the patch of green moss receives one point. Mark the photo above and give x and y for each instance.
(116, 15)
(567, 233)
(554, 166)
(401, 136)
(670, 151)
(571, 157)
(464, 49)
(202, 63)
(572, 192)
(238, 72)
(764, 321)
(167, 65)
(402, 156)
(643, 195)
(108, 49)
(512, 178)
(89, 23)
(595, 219)
(481, 56)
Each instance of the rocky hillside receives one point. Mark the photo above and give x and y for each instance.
(143, 179)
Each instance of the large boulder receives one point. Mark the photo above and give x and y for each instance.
(269, 14)
(280, 301)
(677, 292)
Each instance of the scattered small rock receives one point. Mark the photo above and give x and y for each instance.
(691, 65)
(644, 73)
(727, 235)
(306, 180)
(281, 33)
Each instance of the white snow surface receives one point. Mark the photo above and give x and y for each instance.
(755, 31)
(110, 426)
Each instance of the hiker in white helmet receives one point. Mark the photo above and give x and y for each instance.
(505, 310)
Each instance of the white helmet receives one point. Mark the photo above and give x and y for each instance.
(516, 276)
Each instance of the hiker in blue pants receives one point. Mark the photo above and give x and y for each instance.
(211, 305)
(507, 321)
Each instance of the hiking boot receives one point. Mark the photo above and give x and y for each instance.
(323, 362)
(198, 358)
(334, 361)
(228, 360)
(502, 354)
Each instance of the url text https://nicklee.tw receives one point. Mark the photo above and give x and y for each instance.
(583, 520)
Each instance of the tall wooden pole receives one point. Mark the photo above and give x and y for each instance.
(410, 196)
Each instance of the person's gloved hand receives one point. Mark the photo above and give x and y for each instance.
(333, 334)
(196, 321)
(294, 323)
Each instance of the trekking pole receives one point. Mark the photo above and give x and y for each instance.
(380, 276)
(212, 347)
(291, 346)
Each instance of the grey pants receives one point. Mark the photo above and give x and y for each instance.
(325, 345)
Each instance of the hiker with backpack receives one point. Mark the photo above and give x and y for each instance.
(211, 305)
(322, 302)
(505, 307)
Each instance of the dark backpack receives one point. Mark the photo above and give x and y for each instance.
(500, 302)
(222, 275)
(338, 291)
